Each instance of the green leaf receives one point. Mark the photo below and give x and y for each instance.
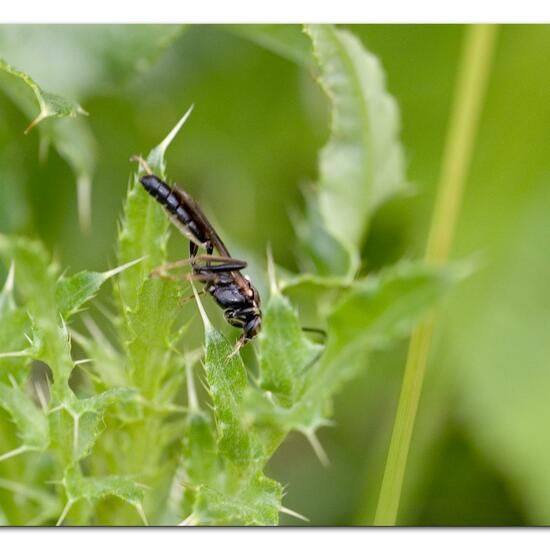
(76, 423)
(230, 489)
(257, 504)
(148, 306)
(14, 324)
(13, 327)
(285, 352)
(85, 60)
(362, 164)
(96, 488)
(200, 453)
(288, 41)
(371, 314)
(46, 502)
(50, 105)
(227, 381)
(144, 229)
(147, 310)
(328, 255)
(79, 62)
(73, 141)
(151, 357)
(74, 291)
(107, 362)
(93, 489)
(35, 279)
(34, 274)
(88, 416)
(31, 422)
(382, 308)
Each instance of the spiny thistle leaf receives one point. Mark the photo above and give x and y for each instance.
(30, 420)
(73, 141)
(50, 105)
(256, 504)
(147, 309)
(151, 358)
(200, 451)
(148, 306)
(232, 490)
(107, 56)
(87, 415)
(92, 489)
(107, 362)
(73, 292)
(36, 280)
(144, 229)
(285, 352)
(374, 312)
(14, 324)
(381, 308)
(227, 381)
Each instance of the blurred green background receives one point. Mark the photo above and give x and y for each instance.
(481, 449)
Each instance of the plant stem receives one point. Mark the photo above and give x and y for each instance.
(468, 101)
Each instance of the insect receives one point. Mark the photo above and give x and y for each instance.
(221, 274)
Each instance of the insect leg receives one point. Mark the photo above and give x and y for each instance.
(222, 268)
(183, 301)
(224, 264)
(160, 271)
(201, 277)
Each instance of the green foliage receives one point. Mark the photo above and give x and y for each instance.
(287, 41)
(67, 426)
(73, 292)
(86, 60)
(116, 435)
(50, 105)
(362, 164)
(285, 350)
(31, 424)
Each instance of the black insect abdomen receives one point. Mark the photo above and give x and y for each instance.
(155, 187)
(170, 199)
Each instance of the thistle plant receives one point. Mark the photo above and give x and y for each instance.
(131, 440)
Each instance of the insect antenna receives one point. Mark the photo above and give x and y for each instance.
(143, 163)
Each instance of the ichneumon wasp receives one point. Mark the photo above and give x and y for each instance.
(221, 274)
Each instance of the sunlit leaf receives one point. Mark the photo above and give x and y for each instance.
(258, 504)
